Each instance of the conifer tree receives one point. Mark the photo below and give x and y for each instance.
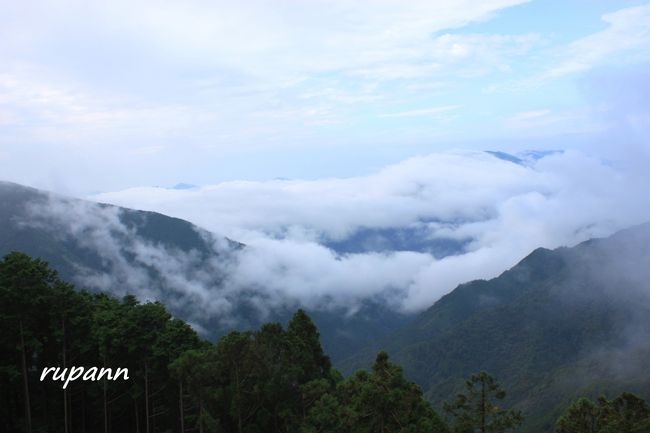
(306, 347)
(479, 408)
(384, 401)
(24, 283)
(626, 413)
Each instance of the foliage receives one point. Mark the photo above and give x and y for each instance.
(478, 410)
(384, 401)
(560, 324)
(627, 413)
(269, 380)
(273, 379)
(48, 323)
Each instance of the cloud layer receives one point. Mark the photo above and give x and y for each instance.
(497, 210)
(120, 259)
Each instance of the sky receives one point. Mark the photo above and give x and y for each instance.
(103, 96)
(302, 125)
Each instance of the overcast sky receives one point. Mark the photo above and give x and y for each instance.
(107, 95)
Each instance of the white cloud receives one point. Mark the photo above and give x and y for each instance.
(504, 210)
(627, 32)
(423, 112)
(528, 115)
(108, 87)
(445, 185)
(324, 35)
(569, 121)
(131, 263)
(128, 72)
(57, 111)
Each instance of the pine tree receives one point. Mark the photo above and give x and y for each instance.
(384, 401)
(478, 410)
(627, 413)
(306, 348)
(177, 338)
(24, 285)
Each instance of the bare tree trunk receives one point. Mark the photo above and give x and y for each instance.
(201, 415)
(28, 410)
(239, 403)
(483, 406)
(105, 404)
(146, 393)
(65, 390)
(83, 412)
(137, 416)
(180, 404)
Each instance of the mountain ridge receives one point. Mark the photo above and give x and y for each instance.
(548, 328)
(559, 324)
(154, 256)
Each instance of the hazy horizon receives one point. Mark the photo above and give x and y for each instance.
(104, 97)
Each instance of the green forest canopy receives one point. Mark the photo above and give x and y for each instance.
(273, 379)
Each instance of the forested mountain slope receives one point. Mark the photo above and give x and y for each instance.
(561, 323)
(66, 231)
(156, 257)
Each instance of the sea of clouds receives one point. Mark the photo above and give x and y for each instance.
(498, 210)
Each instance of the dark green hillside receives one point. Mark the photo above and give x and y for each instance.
(559, 324)
(61, 351)
(156, 257)
(25, 228)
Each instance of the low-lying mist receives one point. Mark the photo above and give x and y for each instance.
(495, 210)
(489, 211)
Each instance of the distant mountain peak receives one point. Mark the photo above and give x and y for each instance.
(182, 186)
(505, 156)
(563, 322)
(523, 158)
